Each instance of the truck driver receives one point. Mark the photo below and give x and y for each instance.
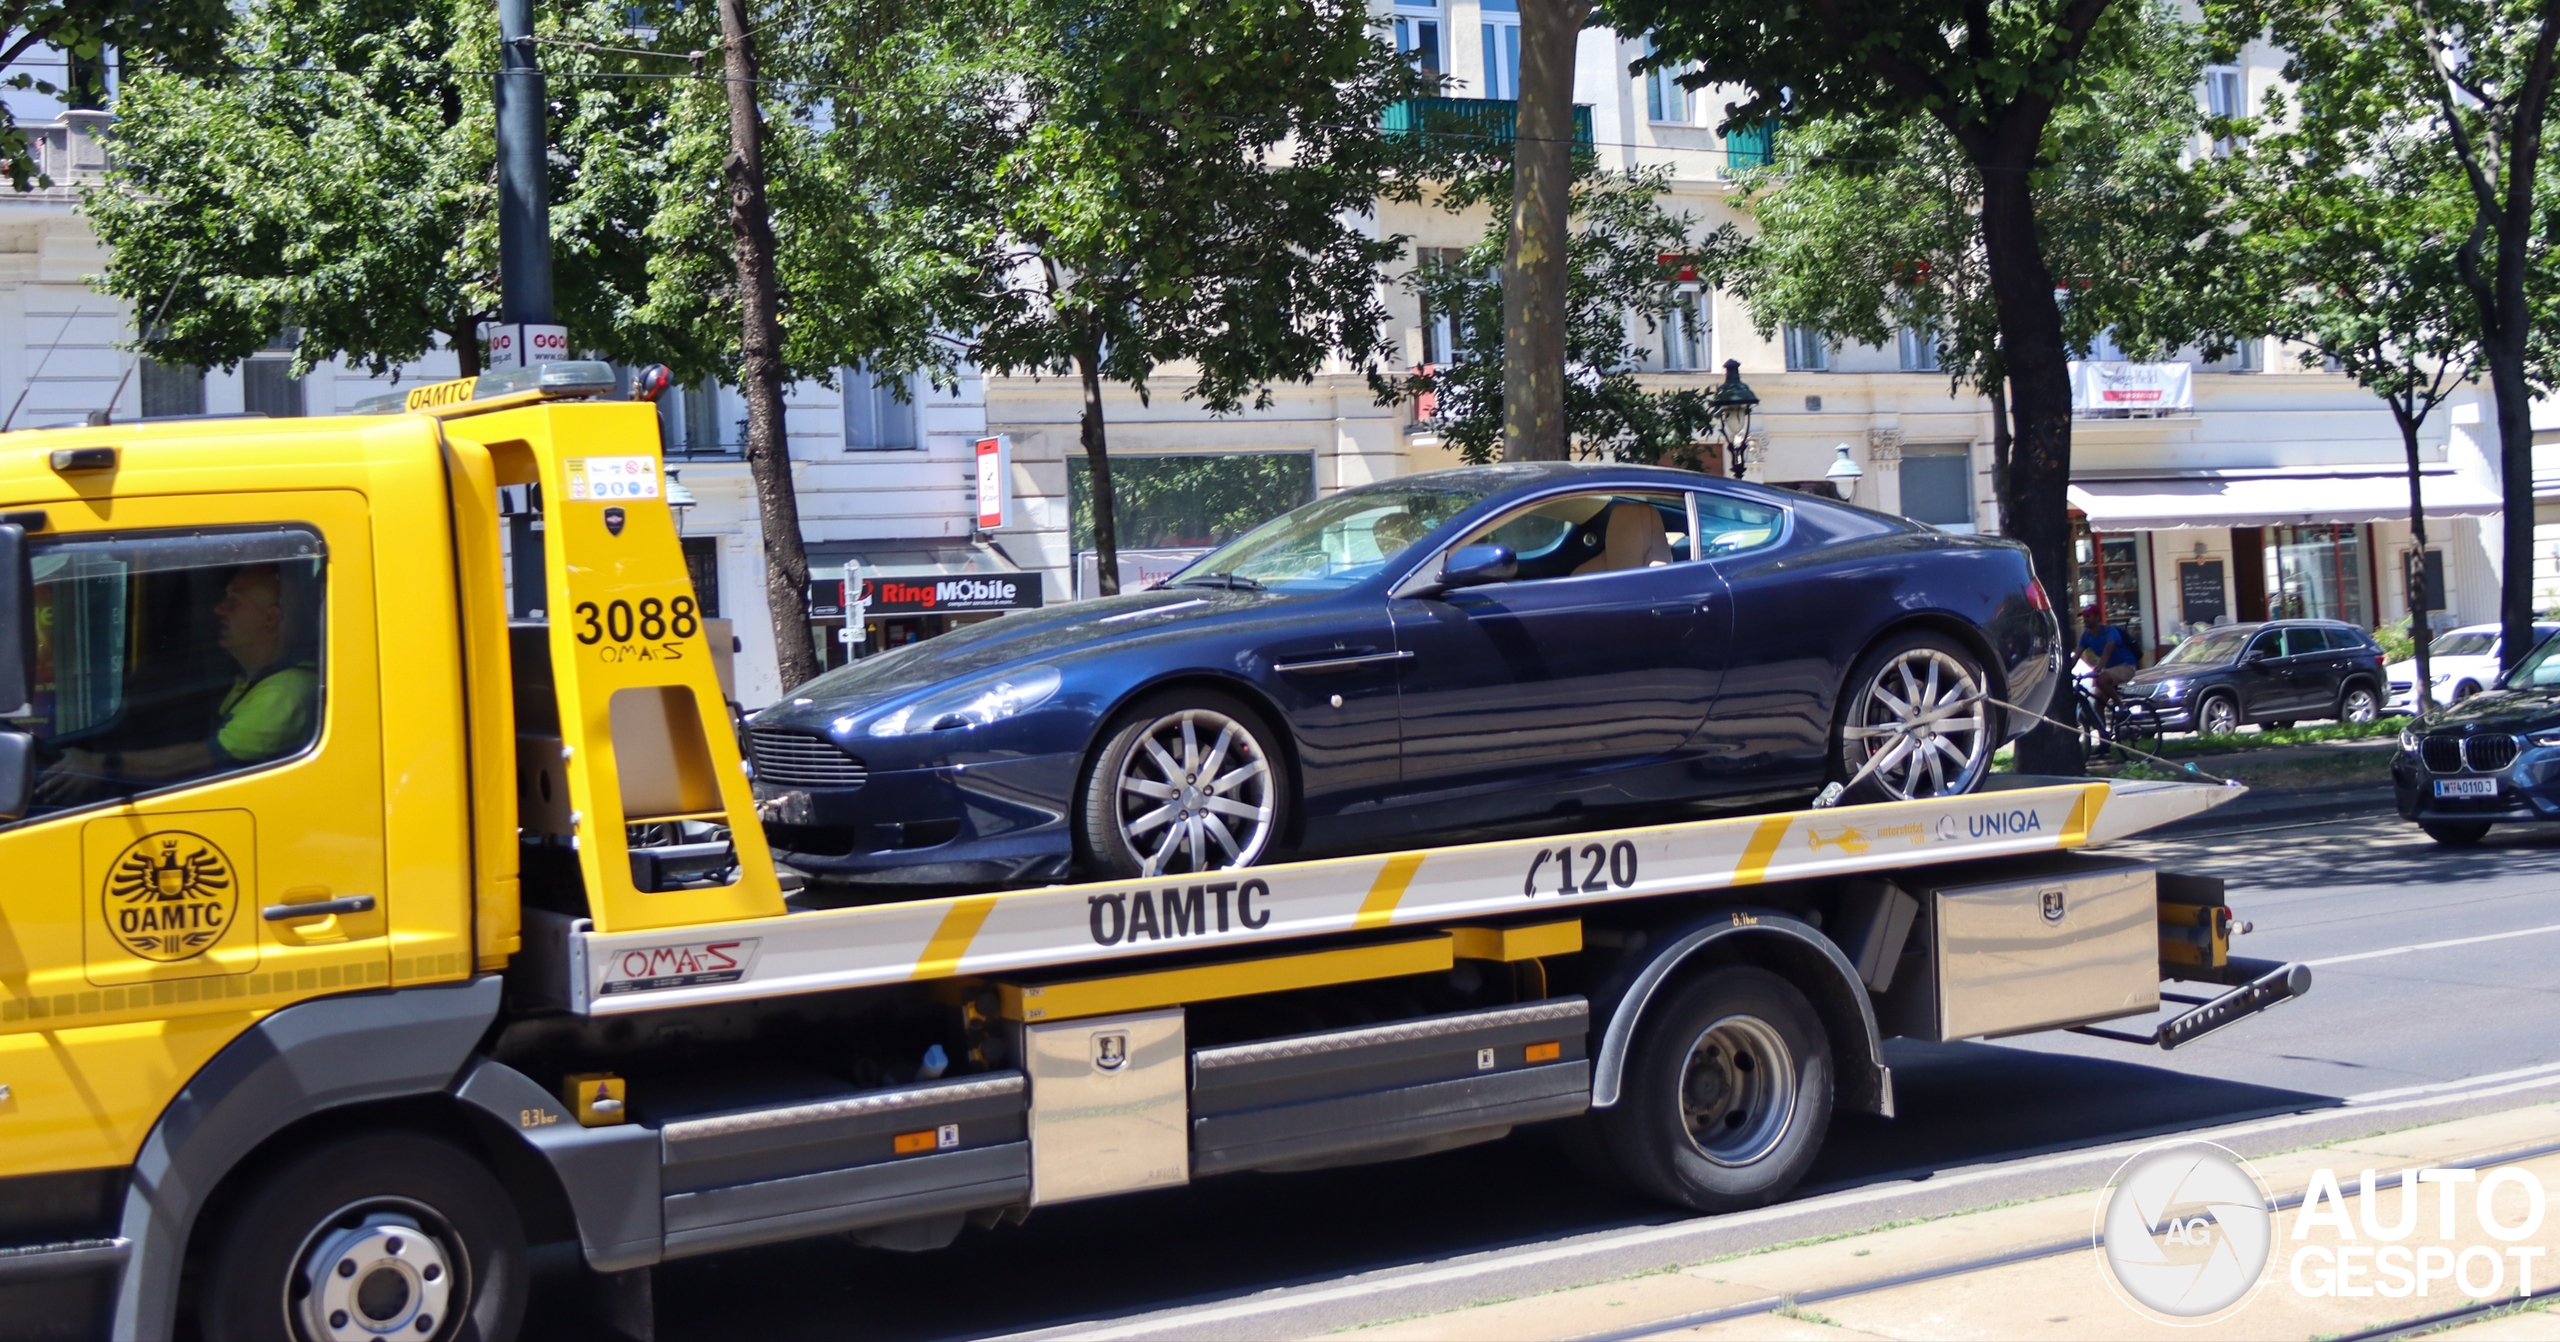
(270, 712)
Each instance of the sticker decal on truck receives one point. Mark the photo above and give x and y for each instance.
(693, 964)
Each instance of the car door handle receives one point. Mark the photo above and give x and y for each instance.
(323, 908)
(1320, 665)
(1702, 607)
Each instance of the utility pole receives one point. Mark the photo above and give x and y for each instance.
(786, 561)
(524, 188)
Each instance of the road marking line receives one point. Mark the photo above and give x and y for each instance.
(2466, 1083)
(1386, 892)
(951, 939)
(2436, 945)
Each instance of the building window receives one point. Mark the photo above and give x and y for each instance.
(170, 390)
(879, 412)
(2110, 578)
(1685, 329)
(1937, 485)
(1418, 41)
(2104, 349)
(2316, 572)
(1501, 48)
(2225, 96)
(1919, 351)
(1808, 350)
(2245, 357)
(1441, 331)
(1664, 99)
(691, 416)
(268, 387)
(702, 564)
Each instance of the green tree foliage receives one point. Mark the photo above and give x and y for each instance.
(59, 48)
(2477, 78)
(2347, 239)
(1992, 74)
(1118, 187)
(1618, 286)
(336, 176)
(1866, 229)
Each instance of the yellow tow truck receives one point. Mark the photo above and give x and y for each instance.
(352, 937)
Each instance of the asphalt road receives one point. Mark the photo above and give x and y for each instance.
(2431, 967)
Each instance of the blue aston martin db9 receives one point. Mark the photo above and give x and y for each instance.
(1439, 653)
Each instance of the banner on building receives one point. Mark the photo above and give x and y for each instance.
(2143, 388)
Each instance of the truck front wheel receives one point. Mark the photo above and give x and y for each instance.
(1728, 1094)
(388, 1235)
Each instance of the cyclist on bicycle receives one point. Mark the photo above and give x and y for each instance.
(2110, 655)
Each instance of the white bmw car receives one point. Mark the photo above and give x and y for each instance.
(2464, 662)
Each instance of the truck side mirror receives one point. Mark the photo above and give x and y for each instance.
(17, 621)
(1476, 565)
(17, 774)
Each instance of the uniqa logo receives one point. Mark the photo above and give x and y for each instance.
(2186, 1231)
(2013, 822)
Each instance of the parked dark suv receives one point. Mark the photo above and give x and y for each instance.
(2272, 673)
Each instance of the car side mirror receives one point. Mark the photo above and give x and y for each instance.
(2251, 657)
(17, 621)
(1476, 565)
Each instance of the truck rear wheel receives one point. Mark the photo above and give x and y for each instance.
(1727, 1096)
(388, 1235)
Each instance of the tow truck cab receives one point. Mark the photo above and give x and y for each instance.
(351, 938)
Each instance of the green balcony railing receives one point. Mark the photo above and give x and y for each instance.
(1472, 123)
(1747, 147)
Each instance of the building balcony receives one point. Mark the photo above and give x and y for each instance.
(1472, 123)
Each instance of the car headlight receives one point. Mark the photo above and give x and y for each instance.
(973, 705)
(2545, 738)
(2169, 689)
(2409, 739)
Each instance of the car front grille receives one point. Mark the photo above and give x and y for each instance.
(2485, 754)
(787, 758)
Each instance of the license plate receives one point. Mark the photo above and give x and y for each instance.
(2466, 787)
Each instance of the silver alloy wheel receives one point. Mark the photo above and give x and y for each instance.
(1195, 794)
(1738, 1090)
(1920, 728)
(2220, 716)
(2360, 706)
(374, 1271)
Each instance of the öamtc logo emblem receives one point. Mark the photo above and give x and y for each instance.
(2186, 1231)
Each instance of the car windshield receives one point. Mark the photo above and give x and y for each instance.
(2540, 670)
(2468, 644)
(2208, 649)
(1332, 543)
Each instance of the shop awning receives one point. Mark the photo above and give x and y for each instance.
(918, 578)
(2217, 499)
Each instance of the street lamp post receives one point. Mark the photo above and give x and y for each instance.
(1730, 409)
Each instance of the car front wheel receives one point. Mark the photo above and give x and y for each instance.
(1188, 780)
(1917, 722)
(2218, 715)
(2359, 705)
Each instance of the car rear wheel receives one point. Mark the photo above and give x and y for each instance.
(2218, 715)
(1189, 780)
(1728, 1093)
(1917, 722)
(2359, 705)
(2455, 833)
(2464, 691)
(379, 1236)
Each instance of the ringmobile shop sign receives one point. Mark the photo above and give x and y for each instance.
(930, 596)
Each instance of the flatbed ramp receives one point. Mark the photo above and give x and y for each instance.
(1055, 926)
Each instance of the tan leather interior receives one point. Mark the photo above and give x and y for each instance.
(1636, 539)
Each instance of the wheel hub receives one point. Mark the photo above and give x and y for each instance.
(384, 1277)
(1195, 795)
(1738, 1091)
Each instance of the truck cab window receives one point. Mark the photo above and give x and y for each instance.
(167, 658)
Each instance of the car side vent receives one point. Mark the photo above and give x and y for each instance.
(2489, 754)
(799, 759)
(2443, 754)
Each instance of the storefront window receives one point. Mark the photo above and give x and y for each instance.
(2111, 579)
(2319, 573)
(1198, 501)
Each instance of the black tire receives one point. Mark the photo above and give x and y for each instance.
(2359, 704)
(2464, 691)
(1765, 1149)
(255, 1282)
(1964, 743)
(2456, 833)
(1105, 821)
(2278, 724)
(2208, 724)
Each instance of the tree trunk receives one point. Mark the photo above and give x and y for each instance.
(1534, 278)
(2000, 451)
(2037, 510)
(2417, 578)
(465, 340)
(2514, 398)
(786, 561)
(1097, 456)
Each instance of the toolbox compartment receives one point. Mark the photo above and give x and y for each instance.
(1309, 1099)
(2013, 947)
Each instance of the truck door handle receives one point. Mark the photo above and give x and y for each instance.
(285, 913)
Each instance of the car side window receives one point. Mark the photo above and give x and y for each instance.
(1730, 526)
(2268, 644)
(165, 658)
(1604, 531)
